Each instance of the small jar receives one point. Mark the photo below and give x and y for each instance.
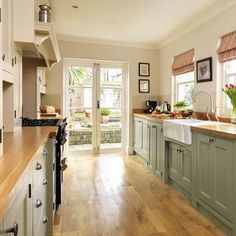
(44, 13)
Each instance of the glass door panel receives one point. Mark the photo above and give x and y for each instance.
(110, 107)
(80, 97)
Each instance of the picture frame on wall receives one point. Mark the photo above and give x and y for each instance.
(144, 69)
(144, 86)
(204, 70)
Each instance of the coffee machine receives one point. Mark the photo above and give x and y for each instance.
(151, 105)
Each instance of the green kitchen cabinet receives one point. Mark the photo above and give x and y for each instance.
(137, 135)
(180, 165)
(156, 149)
(141, 137)
(214, 158)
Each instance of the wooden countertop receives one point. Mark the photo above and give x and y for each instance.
(20, 149)
(220, 129)
(150, 117)
(224, 130)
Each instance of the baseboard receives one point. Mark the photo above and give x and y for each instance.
(129, 150)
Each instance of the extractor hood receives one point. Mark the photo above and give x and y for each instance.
(43, 46)
(35, 39)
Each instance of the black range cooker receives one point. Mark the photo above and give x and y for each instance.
(59, 147)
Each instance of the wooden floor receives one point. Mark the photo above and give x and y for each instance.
(117, 195)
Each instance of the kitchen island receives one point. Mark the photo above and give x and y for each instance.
(28, 158)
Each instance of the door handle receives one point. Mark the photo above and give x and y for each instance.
(13, 230)
(98, 104)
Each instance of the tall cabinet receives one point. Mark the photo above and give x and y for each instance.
(11, 60)
(7, 40)
(1, 109)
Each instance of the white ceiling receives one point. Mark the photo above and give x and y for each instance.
(143, 23)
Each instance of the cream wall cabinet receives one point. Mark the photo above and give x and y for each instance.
(7, 40)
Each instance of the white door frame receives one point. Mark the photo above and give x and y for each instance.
(96, 115)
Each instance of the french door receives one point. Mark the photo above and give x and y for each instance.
(94, 105)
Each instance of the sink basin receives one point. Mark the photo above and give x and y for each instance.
(180, 130)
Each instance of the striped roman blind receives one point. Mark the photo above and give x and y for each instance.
(183, 63)
(227, 47)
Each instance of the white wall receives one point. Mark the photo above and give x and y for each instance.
(132, 56)
(204, 39)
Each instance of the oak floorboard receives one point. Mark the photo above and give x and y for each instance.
(117, 195)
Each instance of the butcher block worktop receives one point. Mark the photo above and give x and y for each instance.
(224, 130)
(149, 117)
(20, 148)
(220, 129)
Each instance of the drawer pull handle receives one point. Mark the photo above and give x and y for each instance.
(38, 203)
(45, 152)
(45, 220)
(38, 166)
(45, 182)
(13, 230)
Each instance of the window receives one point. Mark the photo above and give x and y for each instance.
(229, 77)
(184, 85)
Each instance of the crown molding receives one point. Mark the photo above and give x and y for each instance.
(71, 38)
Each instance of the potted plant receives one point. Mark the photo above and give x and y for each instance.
(181, 106)
(105, 115)
(230, 91)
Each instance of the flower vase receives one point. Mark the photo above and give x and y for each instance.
(233, 116)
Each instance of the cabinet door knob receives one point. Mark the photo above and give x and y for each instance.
(38, 203)
(3, 57)
(45, 152)
(13, 230)
(45, 182)
(38, 166)
(211, 140)
(45, 220)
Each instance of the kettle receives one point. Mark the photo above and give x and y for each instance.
(165, 107)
